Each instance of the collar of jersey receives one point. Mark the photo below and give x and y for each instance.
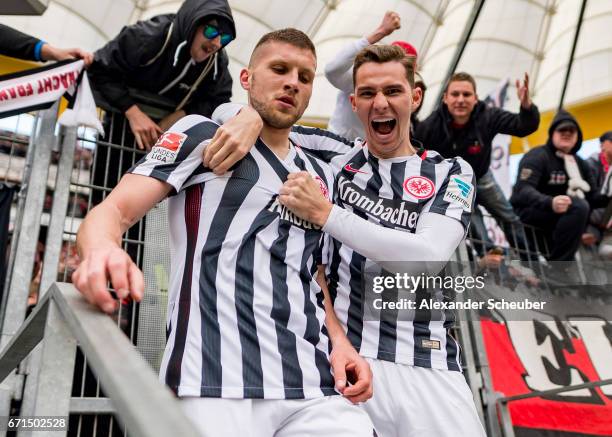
(288, 160)
(404, 158)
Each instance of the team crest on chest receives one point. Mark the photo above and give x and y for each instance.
(419, 187)
(323, 187)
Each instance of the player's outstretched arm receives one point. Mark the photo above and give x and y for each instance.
(99, 242)
(339, 71)
(435, 239)
(347, 364)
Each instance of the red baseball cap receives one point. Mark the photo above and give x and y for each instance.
(407, 47)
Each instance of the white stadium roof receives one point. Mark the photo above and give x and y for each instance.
(509, 38)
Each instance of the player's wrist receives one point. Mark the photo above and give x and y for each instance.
(339, 341)
(321, 214)
(376, 36)
(87, 250)
(253, 117)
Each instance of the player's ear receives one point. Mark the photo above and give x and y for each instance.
(417, 96)
(245, 75)
(352, 99)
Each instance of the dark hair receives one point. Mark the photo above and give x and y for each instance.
(292, 36)
(606, 136)
(461, 77)
(381, 54)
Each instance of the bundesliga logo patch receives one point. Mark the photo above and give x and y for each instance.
(419, 187)
(460, 192)
(167, 147)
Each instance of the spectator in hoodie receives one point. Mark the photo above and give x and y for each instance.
(465, 126)
(179, 57)
(599, 219)
(19, 45)
(555, 189)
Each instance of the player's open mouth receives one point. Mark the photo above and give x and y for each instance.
(383, 126)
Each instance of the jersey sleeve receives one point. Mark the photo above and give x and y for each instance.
(177, 154)
(224, 112)
(323, 144)
(385, 246)
(456, 195)
(339, 71)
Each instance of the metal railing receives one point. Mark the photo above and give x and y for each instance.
(504, 412)
(63, 174)
(491, 406)
(62, 319)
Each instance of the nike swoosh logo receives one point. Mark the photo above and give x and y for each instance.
(348, 167)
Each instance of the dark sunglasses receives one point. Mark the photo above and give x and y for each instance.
(211, 32)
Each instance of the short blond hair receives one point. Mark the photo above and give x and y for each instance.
(291, 36)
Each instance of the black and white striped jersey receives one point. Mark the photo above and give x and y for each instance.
(245, 314)
(392, 193)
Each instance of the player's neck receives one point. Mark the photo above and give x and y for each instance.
(276, 139)
(405, 148)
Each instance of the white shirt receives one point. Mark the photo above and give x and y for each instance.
(339, 72)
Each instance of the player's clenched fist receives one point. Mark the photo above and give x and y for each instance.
(108, 264)
(304, 196)
(390, 22)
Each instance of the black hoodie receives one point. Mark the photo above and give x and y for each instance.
(473, 141)
(542, 176)
(150, 55)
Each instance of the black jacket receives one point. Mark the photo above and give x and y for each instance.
(17, 44)
(150, 54)
(473, 142)
(598, 215)
(542, 176)
(597, 168)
